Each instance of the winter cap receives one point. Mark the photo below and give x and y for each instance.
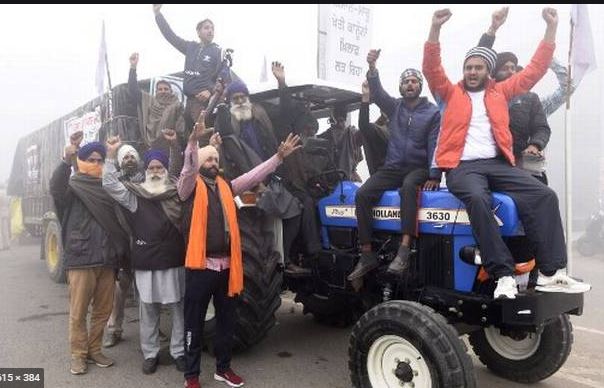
(489, 56)
(410, 72)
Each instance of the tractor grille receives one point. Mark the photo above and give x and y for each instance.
(435, 260)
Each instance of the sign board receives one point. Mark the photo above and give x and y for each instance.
(344, 39)
(89, 123)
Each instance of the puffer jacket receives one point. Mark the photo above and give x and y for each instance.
(413, 132)
(458, 105)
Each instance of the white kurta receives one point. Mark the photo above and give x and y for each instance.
(161, 286)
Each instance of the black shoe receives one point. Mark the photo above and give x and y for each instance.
(295, 270)
(400, 262)
(181, 366)
(367, 262)
(150, 365)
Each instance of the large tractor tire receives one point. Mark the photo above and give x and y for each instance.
(403, 343)
(261, 297)
(53, 251)
(525, 357)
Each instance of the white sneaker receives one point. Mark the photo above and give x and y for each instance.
(561, 282)
(506, 288)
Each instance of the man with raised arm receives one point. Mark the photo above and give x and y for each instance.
(414, 123)
(475, 148)
(213, 262)
(202, 64)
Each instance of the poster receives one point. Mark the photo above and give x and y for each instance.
(344, 39)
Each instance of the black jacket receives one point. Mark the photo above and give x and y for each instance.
(156, 243)
(375, 140)
(85, 243)
(528, 121)
(217, 238)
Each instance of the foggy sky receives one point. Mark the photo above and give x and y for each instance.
(49, 54)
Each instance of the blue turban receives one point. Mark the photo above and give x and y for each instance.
(236, 87)
(158, 155)
(87, 150)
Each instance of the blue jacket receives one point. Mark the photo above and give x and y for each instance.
(413, 132)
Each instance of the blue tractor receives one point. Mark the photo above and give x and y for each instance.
(407, 330)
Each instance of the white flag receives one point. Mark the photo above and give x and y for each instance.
(101, 66)
(264, 71)
(583, 56)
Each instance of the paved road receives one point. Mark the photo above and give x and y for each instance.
(297, 352)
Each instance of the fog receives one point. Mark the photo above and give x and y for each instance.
(49, 55)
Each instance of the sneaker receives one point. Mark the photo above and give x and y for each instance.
(506, 288)
(192, 382)
(100, 360)
(180, 363)
(367, 262)
(78, 366)
(112, 339)
(400, 262)
(229, 377)
(561, 282)
(150, 365)
(295, 270)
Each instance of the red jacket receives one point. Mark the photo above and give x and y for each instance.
(456, 104)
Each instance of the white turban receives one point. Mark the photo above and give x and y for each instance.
(205, 152)
(124, 150)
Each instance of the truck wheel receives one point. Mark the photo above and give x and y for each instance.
(262, 279)
(403, 343)
(585, 247)
(53, 252)
(525, 357)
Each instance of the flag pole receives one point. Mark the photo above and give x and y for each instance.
(567, 159)
(110, 93)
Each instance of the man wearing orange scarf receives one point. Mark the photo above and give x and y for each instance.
(213, 261)
(93, 243)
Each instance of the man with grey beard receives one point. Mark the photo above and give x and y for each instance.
(128, 161)
(250, 122)
(154, 220)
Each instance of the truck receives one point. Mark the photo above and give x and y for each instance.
(405, 329)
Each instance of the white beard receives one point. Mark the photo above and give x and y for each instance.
(242, 112)
(155, 186)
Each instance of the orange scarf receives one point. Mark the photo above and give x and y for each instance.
(196, 249)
